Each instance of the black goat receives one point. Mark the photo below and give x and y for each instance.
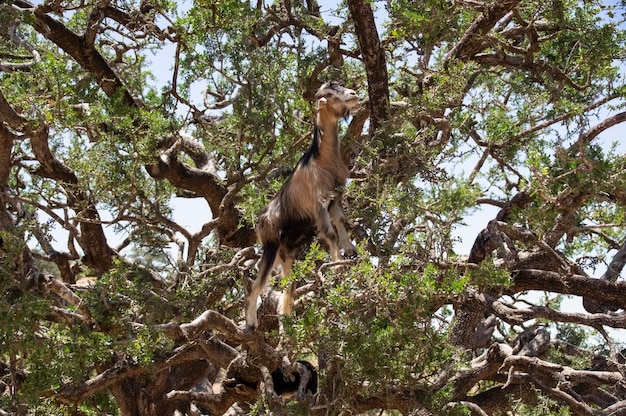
(301, 381)
(309, 203)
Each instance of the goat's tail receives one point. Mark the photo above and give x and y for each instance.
(268, 258)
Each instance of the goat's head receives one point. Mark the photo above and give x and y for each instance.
(337, 99)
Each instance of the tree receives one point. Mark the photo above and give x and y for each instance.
(112, 306)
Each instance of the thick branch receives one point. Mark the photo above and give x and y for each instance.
(6, 145)
(482, 245)
(62, 291)
(217, 403)
(86, 55)
(206, 184)
(533, 279)
(605, 124)
(8, 114)
(212, 320)
(560, 372)
(473, 40)
(97, 252)
(482, 367)
(119, 371)
(374, 60)
(518, 316)
(617, 264)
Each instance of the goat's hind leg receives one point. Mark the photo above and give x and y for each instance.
(265, 269)
(251, 300)
(285, 305)
(287, 298)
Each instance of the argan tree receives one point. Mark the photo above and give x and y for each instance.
(487, 197)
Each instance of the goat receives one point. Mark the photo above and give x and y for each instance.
(300, 381)
(309, 203)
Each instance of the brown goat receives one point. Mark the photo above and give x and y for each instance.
(309, 203)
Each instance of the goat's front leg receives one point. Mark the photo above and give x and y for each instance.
(327, 231)
(338, 218)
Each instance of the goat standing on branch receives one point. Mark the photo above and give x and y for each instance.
(309, 203)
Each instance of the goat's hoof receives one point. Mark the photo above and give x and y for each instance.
(350, 255)
(251, 326)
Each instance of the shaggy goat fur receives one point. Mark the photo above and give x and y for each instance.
(309, 203)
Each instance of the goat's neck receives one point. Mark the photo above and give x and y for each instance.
(328, 141)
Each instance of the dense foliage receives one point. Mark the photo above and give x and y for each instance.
(140, 140)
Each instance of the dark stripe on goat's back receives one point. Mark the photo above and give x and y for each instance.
(314, 149)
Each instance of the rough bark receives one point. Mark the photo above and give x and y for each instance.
(474, 39)
(373, 55)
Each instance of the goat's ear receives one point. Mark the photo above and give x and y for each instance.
(321, 103)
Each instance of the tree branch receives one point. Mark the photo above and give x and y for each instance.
(605, 124)
(473, 40)
(617, 264)
(86, 55)
(574, 284)
(374, 60)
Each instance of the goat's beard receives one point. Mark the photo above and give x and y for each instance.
(349, 111)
